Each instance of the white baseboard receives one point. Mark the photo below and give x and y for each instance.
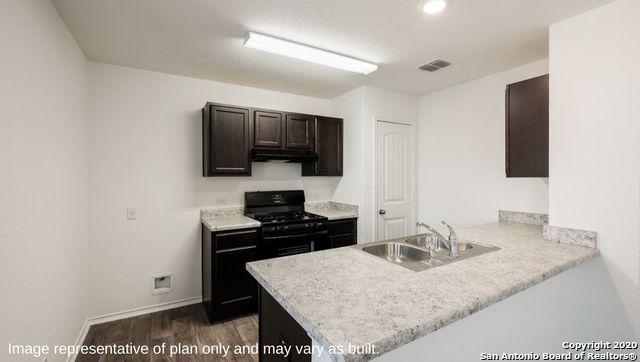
(80, 339)
(143, 310)
(128, 314)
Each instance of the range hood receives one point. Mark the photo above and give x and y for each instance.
(282, 155)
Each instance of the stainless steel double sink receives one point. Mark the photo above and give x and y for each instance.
(413, 253)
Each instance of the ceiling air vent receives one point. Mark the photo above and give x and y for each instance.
(434, 65)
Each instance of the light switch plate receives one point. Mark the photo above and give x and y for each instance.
(132, 213)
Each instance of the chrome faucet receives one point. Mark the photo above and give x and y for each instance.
(450, 243)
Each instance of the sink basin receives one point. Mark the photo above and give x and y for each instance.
(397, 252)
(413, 253)
(421, 242)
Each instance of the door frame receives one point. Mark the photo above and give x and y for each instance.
(375, 174)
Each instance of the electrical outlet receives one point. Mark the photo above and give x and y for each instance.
(161, 283)
(221, 201)
(132, 213)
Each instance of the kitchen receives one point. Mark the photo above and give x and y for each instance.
(188, 179)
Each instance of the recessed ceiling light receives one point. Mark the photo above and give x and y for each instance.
(434, 6)
(304, 52)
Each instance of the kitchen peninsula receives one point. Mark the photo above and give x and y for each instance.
(345, 297)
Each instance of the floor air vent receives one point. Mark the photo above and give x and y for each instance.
(434, 65)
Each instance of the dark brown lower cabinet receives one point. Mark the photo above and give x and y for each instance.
(228, 290)
(278, 328)
(343, 232)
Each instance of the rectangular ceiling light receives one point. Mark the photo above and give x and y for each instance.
(305, 52)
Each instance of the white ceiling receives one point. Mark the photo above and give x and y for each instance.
(204, 38)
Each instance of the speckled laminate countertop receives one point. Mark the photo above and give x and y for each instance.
(345, 295)
(332, 210)
(229, 218)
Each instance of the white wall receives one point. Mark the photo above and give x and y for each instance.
(43, 178)
(594, 169)
(461, 154)
(361, 109)
(536, 320)
(350, 107)
(380, 105)
(145, 135)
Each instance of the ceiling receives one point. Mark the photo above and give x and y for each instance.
(204, 39)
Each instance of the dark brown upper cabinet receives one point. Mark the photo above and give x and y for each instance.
(328, 145)
(267, 129)
(225, 140)
(527, 128)
(299, 129)
(229, 133)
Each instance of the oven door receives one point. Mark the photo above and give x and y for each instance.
(283, 245)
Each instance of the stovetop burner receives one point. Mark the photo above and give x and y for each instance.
(284, 217)
(282, 214)
(286, 228)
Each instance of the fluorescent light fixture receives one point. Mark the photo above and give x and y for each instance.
(304, 52)
(434, 6)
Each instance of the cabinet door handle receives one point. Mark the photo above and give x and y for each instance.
(238, 233)
(236, 249)
(382, 211)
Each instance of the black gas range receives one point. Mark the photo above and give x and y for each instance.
(286, 228)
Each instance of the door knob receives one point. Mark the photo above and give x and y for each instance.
(382, 211)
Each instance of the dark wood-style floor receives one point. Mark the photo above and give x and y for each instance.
(186, 325)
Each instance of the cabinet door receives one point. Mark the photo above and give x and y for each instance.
(267, 129)
(328, 142)
(277, 327)
(226, 138)
(527, 128)
(299, 131)
(235, 290)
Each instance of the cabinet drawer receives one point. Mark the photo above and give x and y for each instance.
(343, 240)
(346, 226)
(236, 239)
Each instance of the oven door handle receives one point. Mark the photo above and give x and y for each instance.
(294, 236)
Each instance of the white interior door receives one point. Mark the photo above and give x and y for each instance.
(394, 185)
